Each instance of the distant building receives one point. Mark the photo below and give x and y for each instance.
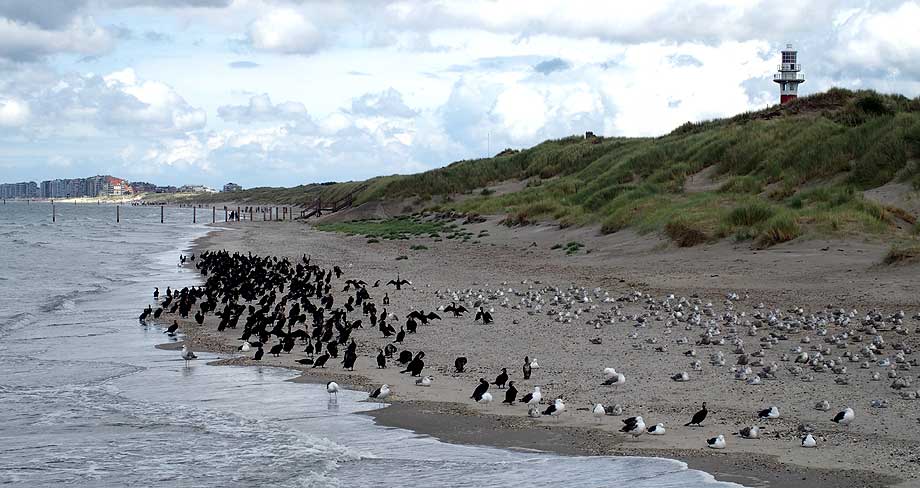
(166, 189)
(25, 189)
(143, 187)
(789, 77)
(196, 189)
(94, 186)
(230, 187)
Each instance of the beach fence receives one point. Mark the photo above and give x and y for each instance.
(239, 214)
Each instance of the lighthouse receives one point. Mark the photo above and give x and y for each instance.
(789, 77)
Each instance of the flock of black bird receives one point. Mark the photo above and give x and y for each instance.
(282, 305)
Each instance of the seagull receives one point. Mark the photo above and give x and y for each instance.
(381, 393)
(599, 412)
(823, 406)
(555, 409)
(534, 412)
(844, 417)
(634, 426)
(486, 398)
(244, 347)
(533, 398)
(769, 413)
(610, 372)
(616, 380)
(188, 355)
(534, 364)
(716, 442)
(752, 432)
(681, 377)
(698, 417)
(423, 381)
(809, 441)
(332, 388)
(657, 429)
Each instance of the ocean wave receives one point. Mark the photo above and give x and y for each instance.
(67, 302)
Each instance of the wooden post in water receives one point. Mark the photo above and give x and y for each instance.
(194, 214)
(237, 214)
(117, 214)
(213, 214)
(161, 213)
(250, 214)
(53, 212)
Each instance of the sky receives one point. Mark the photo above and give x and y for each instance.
(287, 92)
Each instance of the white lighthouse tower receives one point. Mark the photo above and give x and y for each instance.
(789, 77)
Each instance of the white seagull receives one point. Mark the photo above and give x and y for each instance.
(716, 442)
(188, 355)
(423, 381)
(381, 393)
(634, 426)
(769, 413)
(844, 417)
(657, 429)
(752, 432)
(556, 409)
(332, 388)
(598, 412)
(486, 398)
(809, 441)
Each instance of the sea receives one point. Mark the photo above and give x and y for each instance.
(87, 400)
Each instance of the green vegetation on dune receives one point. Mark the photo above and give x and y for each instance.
(395, 228)
(774, 174)
(770, 176)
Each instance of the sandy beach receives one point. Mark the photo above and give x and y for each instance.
(632, 272)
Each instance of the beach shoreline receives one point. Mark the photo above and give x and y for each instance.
(492, 427)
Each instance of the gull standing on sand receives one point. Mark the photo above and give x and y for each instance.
(381, 393)
(424, 381)
(533, 398)
(555, 409)
(599, 412)
(486, 398)
(616, 380)
(844, 417)
(634, 426)
(657, 429)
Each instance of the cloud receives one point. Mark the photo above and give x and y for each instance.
(41, 14)
(243, 65)
(28, 42)
(550, 65)
(884, 40)
(682, 60)
(261, 109)
(13, 113)
(388, 103)
(285, 31)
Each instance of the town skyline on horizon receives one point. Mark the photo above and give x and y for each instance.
(282, 93)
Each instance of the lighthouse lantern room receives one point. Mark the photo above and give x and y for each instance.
(789, 77)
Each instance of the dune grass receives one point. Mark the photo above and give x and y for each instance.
(778, 173)
(395, 228)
